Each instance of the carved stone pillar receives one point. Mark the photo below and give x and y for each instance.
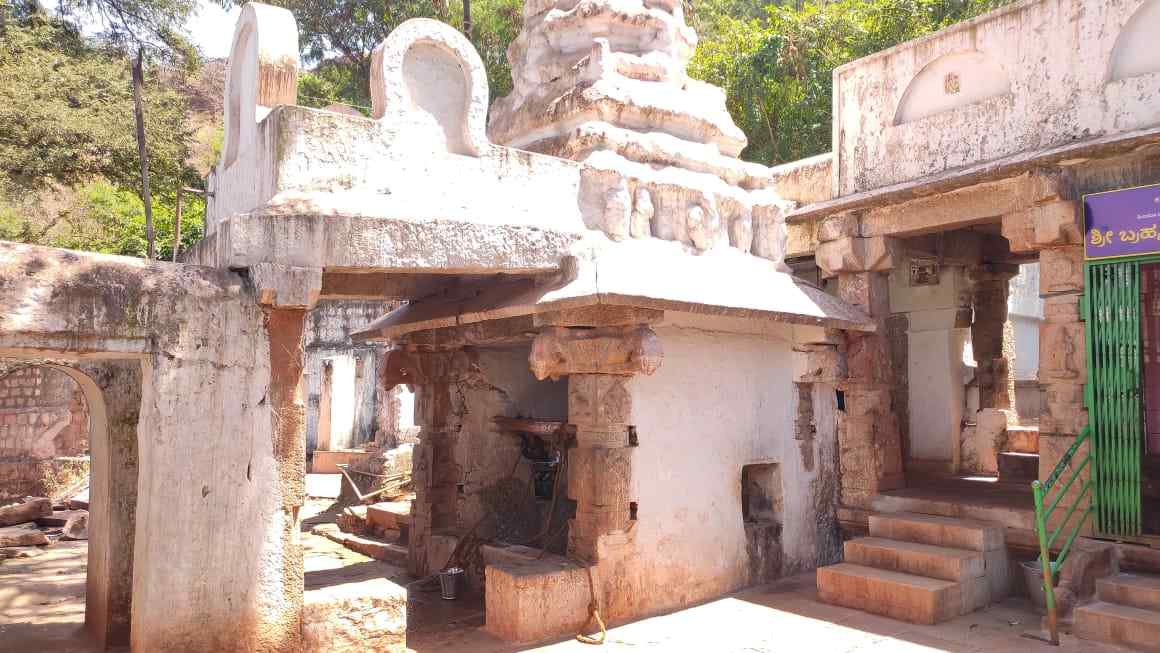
(870, 448)
(600, 364)
(432, 377)
(996, 388)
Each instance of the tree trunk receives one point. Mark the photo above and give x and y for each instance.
(177, 225)
(139, 112)
(467, 18)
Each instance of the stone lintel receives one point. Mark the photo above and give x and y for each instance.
(504, 331)
(560, 351)
(599, 315)
(960, 208)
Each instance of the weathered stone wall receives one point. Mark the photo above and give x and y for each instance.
(328, 329)
(918, 109)
(42, 414)
(212, 448)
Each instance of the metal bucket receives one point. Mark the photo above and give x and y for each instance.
(1033, 575)
(449, 582)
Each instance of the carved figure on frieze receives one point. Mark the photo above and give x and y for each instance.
(561, 351)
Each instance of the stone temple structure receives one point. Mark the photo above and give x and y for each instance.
(626, 402)
(614, 328)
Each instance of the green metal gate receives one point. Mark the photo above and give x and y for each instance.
(1112, 393)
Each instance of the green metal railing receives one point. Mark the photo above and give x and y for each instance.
(1044, 510)
(1111, 314)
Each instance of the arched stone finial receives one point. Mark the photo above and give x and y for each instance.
(263, 73)
(427, 76)
(1135, 52)
(950, 82)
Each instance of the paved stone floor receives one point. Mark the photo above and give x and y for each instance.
(42, 600)
(785, 617)
(42, 609)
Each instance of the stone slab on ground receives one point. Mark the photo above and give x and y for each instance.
(530, 600)
(370, 615)
(26, 510)
(390, 515)
(58, 518)
(77, 527)
(1119, 624)
(26, 535)
(368, 546)
(914, 599)
(786, 617)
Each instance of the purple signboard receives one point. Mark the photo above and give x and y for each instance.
(1122, 222)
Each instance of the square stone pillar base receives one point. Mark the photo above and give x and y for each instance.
(528, 600)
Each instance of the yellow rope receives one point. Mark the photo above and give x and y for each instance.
(593, 613)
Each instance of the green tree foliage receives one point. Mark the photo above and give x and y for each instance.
(101, 217)
(68, 113)
(337, 37)
(776, 61)
(69, 170)
(156, 25)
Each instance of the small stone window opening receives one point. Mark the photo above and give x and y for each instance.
(952, 84)
(761, 498)
(632, 511)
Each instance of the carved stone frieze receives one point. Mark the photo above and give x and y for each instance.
(624, 351)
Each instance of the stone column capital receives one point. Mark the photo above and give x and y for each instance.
(851, 254)
(286, 286)
(625, 351)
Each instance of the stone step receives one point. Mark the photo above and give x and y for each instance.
(950, 532)
(1018, 467)
(927, 560)
(915, 599)
(1135, 590)
(1119, 624)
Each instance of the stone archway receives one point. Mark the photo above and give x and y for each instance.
(112, 395)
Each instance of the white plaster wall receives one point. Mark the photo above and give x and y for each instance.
(936, 394)
(719, 401)
(1025, 310)
(1063, 86)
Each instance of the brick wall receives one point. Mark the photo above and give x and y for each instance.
(42, 415)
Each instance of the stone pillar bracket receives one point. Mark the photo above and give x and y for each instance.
(410, 368)
(623, 351)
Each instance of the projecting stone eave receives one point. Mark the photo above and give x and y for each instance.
(647, 274)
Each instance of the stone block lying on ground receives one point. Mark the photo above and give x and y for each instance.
(58, 518)
(24, 535)
(77, 527)
(390, 515)
(367, 616)
(30, 509)
(387, 552)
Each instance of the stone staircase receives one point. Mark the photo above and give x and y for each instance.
(1126, 612)
(919, 568)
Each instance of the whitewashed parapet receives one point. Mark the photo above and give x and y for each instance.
(1028, 77)
(428, 82)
